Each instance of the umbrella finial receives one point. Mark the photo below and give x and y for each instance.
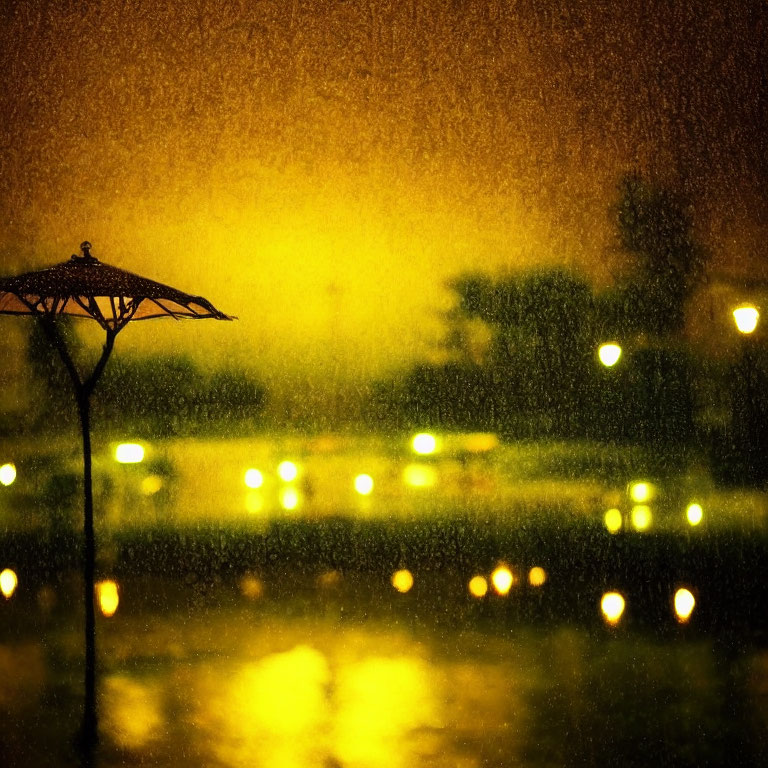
(85, 247)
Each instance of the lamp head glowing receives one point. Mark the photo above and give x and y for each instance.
(746, 318)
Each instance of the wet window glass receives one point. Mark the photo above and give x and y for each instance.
(443, 438)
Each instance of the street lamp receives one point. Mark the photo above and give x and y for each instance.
(746, 317)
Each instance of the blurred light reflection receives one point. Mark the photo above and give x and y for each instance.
(289, 499)
(132, 711)
(108, 597)
(478, 586)
(502, 579)
(8, 583)
(402, 580)
(684, 604)
(537, 576)
(7, 474)
(694, 513)
(612, 606)
(641, 517)
(613, 520)
(420, 476)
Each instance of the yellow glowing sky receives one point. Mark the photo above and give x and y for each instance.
(320, 169)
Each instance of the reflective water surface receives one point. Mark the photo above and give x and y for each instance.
(238, 674)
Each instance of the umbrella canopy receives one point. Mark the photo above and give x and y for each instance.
(84, 287)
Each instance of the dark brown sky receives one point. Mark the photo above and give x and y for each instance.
(321, 168)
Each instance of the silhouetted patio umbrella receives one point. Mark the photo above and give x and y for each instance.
(84, 287)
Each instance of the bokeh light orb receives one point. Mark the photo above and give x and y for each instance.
(609, 354)
(8, 583)
(253, 478)
(642, 517)
(364, 484)
(685, 602)
(613, 520)
(424, 443)
(641, 491)
(694, 513)
(290, 499)
(287, 471)
(612, 605)
(478, 586)
(7, 474)
(502, 579)
(537, 576)
(402, 580)
(108, 597)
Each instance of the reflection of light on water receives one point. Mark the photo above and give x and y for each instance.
(287, 471)
(694, 513)
(419, 476)
(364, 484)
(613, 520)
(612, 606)
(381, 702)
(402, 580)
(478, 586)
(641, 517)
(684, 604)
(502, 579)
(537, 576)
(254, 478)
(289, 498)
(132, 711)
(108, 597)
(254, 502)
(271, 712)
(151, 484)
(129, 453)
(8, 583)
(251, 586)
(7, 474)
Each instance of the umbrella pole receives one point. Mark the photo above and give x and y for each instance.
(83, 389)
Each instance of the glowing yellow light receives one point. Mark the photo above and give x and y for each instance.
(251, 586)
(478, 586)
(684, 604)
(8, 583)
(254, 502)
(107, 595)
(289, 498)
(612, 606)
(402, 580)
(254, 478)
(129, 453)
(7, 474)
(694, 513)
(419, 476)
(641, 492)
(151, 484)
(641, 517)
(287, 471)
(502, 579)
(537, 576)
(364, 484)
(480, 442)
(609, 354)
(613, 520)
(424, 443)
(746, 318)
